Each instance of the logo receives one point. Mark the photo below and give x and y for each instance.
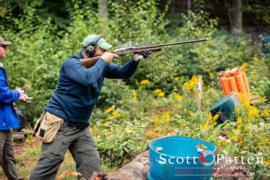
(207, 158)
(206, 163)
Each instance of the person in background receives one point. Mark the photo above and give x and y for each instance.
(8, 117)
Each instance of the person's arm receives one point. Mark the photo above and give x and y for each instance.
(7, 96)
(86, 76)
(121, 71)
(127, 70)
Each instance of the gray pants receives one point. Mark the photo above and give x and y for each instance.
(7, 160)
(82, 147)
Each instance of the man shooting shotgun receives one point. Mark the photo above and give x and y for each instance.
(80, 81)
(70, 108)
(88, 62)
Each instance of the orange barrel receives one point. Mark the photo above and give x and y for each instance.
(232, 83)
(246, 82)
(225, 85)
(234, 71)
(241, 86)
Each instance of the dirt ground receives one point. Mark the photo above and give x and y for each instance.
(27, 154)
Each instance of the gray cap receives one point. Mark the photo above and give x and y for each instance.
(92, 38)
(4, 42)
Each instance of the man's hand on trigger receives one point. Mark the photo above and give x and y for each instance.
(108, 57)
(141, 55)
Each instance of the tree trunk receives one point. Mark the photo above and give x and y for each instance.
(189, 2)
(103, 8)
(235, 16)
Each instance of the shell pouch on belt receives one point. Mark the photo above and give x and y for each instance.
(47, 127)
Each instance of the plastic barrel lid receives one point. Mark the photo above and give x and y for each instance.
(227, 100)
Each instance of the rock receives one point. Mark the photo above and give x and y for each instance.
(135, 170)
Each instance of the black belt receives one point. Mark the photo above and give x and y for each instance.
(78, 126)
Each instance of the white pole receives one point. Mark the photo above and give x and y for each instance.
(199, 98)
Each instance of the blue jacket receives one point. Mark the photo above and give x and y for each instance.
(78, 88)
(8, 117)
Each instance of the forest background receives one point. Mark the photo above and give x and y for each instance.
(161, 98)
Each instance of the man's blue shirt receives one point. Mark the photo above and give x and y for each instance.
(78, 87)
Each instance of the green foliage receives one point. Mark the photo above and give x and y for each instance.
(160, 99)
(115, 143)
(138, 21)
(218, 53)
(258, 73)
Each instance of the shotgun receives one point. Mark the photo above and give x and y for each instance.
(132, 50)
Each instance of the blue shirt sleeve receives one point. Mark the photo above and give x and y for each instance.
(7, 95)
(121, 71)
(86, 76)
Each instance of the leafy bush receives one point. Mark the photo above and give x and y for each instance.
(161, 98)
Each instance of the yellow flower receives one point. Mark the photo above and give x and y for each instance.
(167, 116)
(204, 126)
(134, 96)
(239, 123)
(212, 120)
(145, 82)
(159, 92)
(178, 96)
(215, 118)
(211, 75)
(189, 85)
(244, 67)
(110, 109)
(176, 78)
(253, 112)
(156, 121)
(244, 99)
(116, 114)
(210, 123)
(234, 137)
(221, 143)
(265, 113)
